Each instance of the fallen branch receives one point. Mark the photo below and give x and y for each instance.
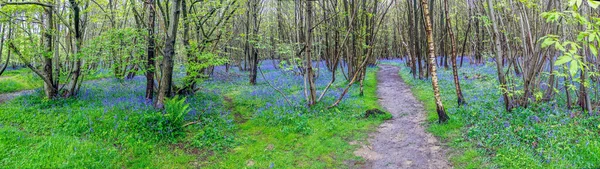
(190, 123)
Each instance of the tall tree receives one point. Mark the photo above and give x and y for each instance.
(252, 24)
(459, 95)
(499, 54)
(166, 81)
(46, 74)
(150, 5)
(73, 86)
(443, 117)
(309, 74)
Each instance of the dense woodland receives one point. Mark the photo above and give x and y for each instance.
(534, 63)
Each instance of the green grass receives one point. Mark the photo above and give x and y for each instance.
(25, 79)
(15, 80)
(106, 126)
(315, 140)
(73, 135)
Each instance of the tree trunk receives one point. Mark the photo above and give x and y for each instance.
(166, 81)
(254, 50)
(459, 95)
(499, 54)
(443, 117)
(76, 72)
(151, 51)
(309, 70)
(2, 47)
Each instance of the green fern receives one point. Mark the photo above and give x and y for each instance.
(176, 108)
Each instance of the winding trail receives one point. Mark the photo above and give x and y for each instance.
(402, 141)
(9, 96)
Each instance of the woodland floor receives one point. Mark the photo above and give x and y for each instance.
(402, 141)
(11, 95)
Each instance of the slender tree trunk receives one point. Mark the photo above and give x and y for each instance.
(418, 15)
(459, 95)
(309, 70)
(2, 47)
(443, 117)
(75, 74)
(499, 54)
(412, 42)
(464, 46)
(50, 88)
(250, 49)
(151, 51)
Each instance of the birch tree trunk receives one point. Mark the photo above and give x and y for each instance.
(443, 117)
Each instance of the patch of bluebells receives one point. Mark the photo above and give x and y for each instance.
(118, 107)
(267, 102)
(549, 132)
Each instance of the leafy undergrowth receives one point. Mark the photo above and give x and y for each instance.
(483, 135)
(228, 124)
(25, 79)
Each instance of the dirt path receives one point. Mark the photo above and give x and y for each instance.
(401, 142)
(8, 96)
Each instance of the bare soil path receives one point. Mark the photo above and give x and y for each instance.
(402, 141)
(9, 96)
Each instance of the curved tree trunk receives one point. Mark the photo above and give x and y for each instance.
(2, 46)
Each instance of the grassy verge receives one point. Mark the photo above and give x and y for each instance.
(25, 79)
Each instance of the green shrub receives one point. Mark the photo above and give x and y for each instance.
(170, 122)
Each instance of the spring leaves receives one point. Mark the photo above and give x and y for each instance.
(570, 50)
(578, 3)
